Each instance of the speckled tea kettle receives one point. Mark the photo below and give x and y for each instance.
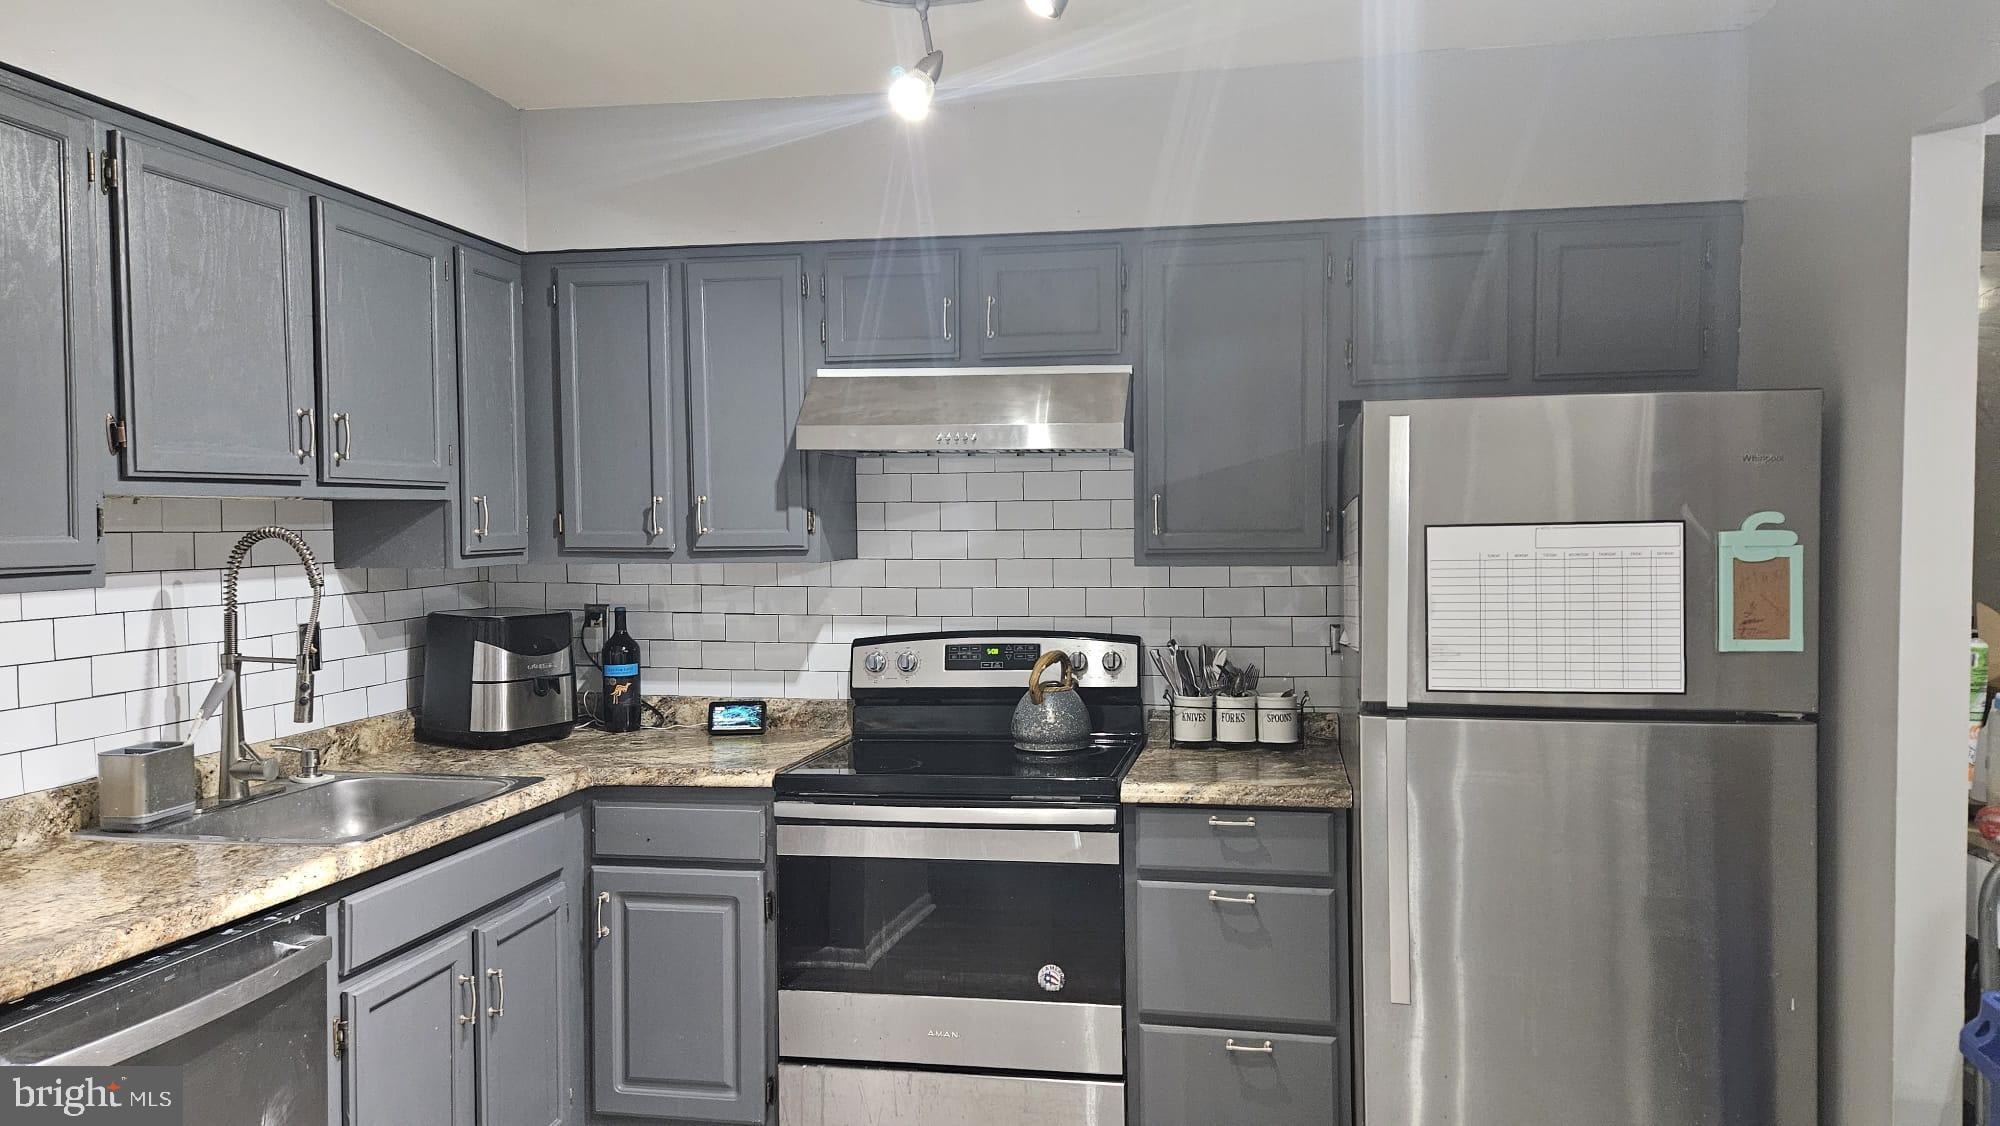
(1051, 718)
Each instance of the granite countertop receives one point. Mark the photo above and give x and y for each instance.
(1310, 776)
(72, 905)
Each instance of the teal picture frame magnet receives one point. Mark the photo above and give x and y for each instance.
(1760, 587)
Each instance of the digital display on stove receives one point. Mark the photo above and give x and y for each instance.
(993, 655)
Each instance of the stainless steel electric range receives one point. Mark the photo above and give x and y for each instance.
(951, 932)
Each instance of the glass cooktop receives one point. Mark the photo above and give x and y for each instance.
(986, 769)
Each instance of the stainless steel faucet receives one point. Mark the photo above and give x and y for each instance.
(241, 766)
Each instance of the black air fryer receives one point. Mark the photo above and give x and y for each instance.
(497, 678)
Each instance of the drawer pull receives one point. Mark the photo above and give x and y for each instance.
(603, 897)
(471, 999)
(1230, 1045)
(499, 1006)
(1248, 898)
(1219, 823)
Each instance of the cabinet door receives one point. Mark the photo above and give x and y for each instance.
(677, 990)
(492, 437)
(1233, 386)
(216, 337)
(617, 407)
(1049, 301)
(526, 964)
(746, 379)
(893, 305)
(1430, 308)
(386, 348)
(409, 1055)
(49, 319)
(1619, 298)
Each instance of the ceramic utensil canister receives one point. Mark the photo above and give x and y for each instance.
(1277, 720)
(1235, 720)
(1194, 721)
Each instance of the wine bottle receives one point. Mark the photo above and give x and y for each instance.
(621, 710)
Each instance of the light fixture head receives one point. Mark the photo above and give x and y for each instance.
(1048, 9)
(911, 91)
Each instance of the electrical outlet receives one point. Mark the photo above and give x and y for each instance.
(593, 613)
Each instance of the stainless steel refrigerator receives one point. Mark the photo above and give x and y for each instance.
(1581, 658)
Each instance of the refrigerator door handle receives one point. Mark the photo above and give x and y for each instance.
(1396, 855)
(1397, 650)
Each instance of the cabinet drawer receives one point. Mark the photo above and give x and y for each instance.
(1238, 841)
(680, 832)
(1202, 1076)
(397, 912)
(1236, 951)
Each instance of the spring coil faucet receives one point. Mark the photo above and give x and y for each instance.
(241, 766)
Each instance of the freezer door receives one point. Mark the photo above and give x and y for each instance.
(1587, 923)
(1695, 464)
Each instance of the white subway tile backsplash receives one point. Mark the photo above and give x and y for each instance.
(54, 681)
(84, 637)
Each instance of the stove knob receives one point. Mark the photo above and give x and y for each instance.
(1079, 660)
(875, 663)
(1113, 662)
(907, 661)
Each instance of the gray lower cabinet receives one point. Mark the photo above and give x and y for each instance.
(890, 305)
(616, 400)
(215, 341)
(525, 962)
(1621, 299)
(1205, 1076)
(410, 1035)
(1049, 301)
(1432, 307)
(52, 278)
(679, 982)
(1234, 417)
(746, 379)
(386, 349)
(492, 392)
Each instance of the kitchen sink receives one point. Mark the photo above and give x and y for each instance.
(344, 809)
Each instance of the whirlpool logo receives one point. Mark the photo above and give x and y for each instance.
(135, 1096)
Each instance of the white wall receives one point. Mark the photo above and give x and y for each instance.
(1628, 121)
(1838, 89)
(296, 81)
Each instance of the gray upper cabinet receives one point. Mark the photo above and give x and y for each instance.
(614, 379)
(1431, 308)
(679, 984)
(1041, 301)
(50, 286)
(216, 340)
(1620, 298)
(409, 1052)
(386, 349)
(890, 305)
(492, 436)
(746, 378)
(1234, 414)
(527, 966)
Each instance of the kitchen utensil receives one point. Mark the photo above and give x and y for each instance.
(1218, 663)
(1051, 718)
(211, 703)
(145, 784)
(1235, 720)
(1278, 719)
(1250, 681)
(1194, 720)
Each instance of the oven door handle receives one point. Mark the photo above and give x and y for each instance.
(949, 842)
(1031, 816)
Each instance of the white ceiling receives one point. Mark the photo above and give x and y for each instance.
(547, 54)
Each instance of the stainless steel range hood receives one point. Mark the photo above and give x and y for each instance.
(967, 410)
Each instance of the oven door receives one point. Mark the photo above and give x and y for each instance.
(971, 937)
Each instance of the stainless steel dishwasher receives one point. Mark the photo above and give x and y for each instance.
(242, 1010)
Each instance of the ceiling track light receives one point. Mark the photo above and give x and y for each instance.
(913, 89)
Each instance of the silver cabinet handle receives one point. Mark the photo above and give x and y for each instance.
(1396, 854)
(1248, 898)
(499, 1006)
(701, 514)
(947, 318)
(1219, 823)
(471, 999)
(653, 518)
(303, 420)
(1396, 650)
(484, 525)
(991, 304)
(603, 897)
(343, 438)
(1230, 1045)
(1156, 513)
